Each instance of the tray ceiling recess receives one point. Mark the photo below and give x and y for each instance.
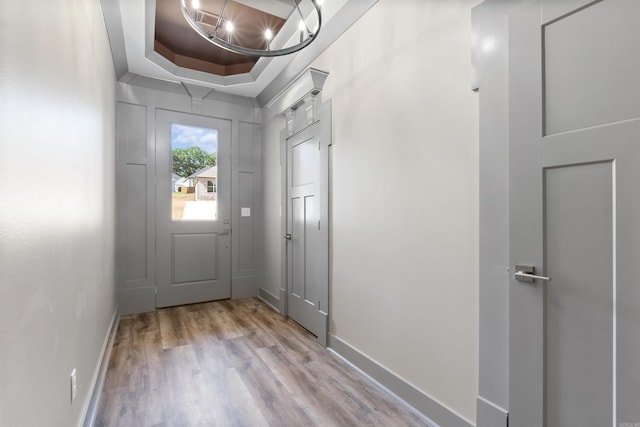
(151, 39)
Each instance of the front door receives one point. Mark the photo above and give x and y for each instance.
(307, 230)
(193, 176)
(575, 214)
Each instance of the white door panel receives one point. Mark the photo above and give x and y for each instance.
(307, 229)
(303, 218)
(575, 213)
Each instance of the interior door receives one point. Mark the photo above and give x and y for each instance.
(307, 234)
(575, 214)
(193, 176)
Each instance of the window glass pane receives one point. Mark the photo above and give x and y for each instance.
(195, 173)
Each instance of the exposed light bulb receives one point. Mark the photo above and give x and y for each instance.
(319, 2)
(228, 26)
(195, 4)
(302, 27)
(268, 35)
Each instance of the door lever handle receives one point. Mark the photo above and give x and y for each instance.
(525, 273)
(287, 236)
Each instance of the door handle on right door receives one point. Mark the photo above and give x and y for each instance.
(287, 236)
(525, 273)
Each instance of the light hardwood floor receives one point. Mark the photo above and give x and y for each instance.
(235, 363)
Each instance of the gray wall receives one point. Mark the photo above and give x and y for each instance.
(490, 58)
(245, 194)
(490, 54)
(404, 203)
(137, 105)
(57, 129)
(271, 183)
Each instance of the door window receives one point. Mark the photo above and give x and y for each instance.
(194, 153)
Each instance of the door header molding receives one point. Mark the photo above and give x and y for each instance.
(308, 83)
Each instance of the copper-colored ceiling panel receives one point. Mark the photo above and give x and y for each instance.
(179, 43)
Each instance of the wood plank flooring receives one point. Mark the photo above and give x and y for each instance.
(235, 363)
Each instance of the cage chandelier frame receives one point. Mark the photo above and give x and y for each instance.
(194, 16)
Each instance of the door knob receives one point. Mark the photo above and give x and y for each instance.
(525, 273)
(287, 236)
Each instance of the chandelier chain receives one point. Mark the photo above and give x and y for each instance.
(215, 30)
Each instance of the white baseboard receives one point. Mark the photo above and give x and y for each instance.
(437, 413)
(488, 414)
(92, 403)
(136, 300)
(269, 299)
(244, 287)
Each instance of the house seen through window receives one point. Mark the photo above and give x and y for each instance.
(195, 173)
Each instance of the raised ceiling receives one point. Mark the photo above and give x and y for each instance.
(151, 46)
(176, 40)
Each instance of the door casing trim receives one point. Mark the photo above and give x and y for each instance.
(320, 128)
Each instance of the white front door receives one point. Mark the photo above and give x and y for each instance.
(193, 256)
(574, 76)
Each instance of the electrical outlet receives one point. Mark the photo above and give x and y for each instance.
(74, 389)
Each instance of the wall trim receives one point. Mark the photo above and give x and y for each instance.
(90, 410)
(490, 21)
(136, 300)
(309, 82)
(244, 287)
(113, 24)
(488, 414)
(269, 299)
(436, 412)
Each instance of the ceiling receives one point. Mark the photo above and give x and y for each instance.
(150, 40)
(176, 40)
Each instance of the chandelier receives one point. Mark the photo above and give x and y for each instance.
(219, 30)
